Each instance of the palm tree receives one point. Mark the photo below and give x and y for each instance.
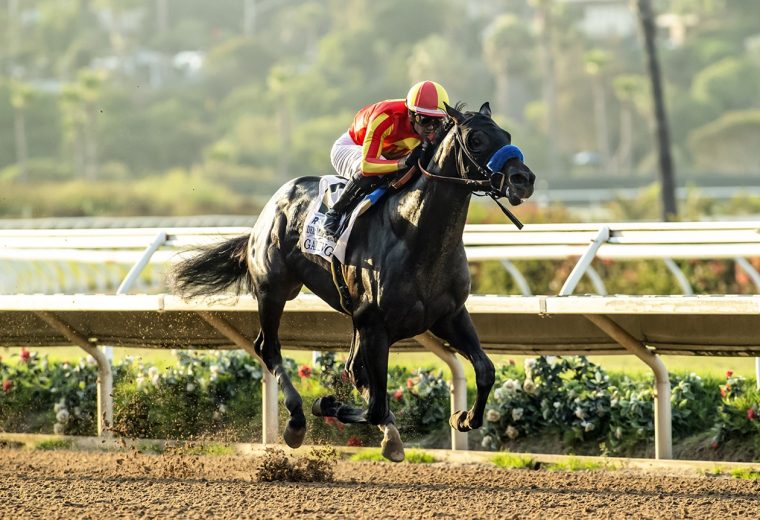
(596, 64)
(667, 175)
(21, 94)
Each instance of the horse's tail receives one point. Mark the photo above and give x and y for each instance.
(215, 269)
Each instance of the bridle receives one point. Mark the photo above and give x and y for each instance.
(493, 182)
(478, 184)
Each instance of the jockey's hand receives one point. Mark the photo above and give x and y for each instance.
(411, 160)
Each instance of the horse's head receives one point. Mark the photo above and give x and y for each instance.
(485, 153)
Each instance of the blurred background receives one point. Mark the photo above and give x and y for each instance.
(187, 107)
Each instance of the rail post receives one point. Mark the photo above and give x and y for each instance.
(458, 382)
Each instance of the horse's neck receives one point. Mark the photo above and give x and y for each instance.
(433, 213)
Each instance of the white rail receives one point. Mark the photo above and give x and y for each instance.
(144, 247)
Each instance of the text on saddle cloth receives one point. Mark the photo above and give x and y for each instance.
(313, 238)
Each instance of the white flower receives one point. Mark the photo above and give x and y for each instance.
(190, 387)
(528, 364)
(152, 372)
(59, 405)
(551, 359)
(216, 415)
(529, 386)
(222, 408)
(58, 429)
(587, 426)
(512, 432)
(77, 411)
(557, 404)
(618, 432)
(62, 416)
(510, 385)
(493, 415)
(500, 394)
(580, 413)
(155, 380)
(140, 382)
(487, 442)
(517, 414)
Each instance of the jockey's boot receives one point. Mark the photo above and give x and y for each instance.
(351, 193)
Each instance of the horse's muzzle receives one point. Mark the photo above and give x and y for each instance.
(520, 181)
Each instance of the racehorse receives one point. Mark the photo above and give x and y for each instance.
(405, 268)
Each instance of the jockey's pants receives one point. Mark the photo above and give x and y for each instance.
(346, 158)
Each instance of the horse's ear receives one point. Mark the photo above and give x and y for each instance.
(485, 109)
(455, 114)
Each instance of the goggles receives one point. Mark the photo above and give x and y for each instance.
(428, 120)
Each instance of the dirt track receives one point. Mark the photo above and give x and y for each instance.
(66, 484)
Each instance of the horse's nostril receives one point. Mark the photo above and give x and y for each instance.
(518, 179)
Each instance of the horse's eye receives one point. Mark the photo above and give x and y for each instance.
(475, 141)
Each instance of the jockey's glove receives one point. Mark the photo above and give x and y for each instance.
(411, 160)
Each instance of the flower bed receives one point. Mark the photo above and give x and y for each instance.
(218, 395)
(576, 402)
(204, 395)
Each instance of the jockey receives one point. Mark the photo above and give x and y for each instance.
(384, 139)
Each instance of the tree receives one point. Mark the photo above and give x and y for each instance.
(544, 23)
(500, 39)
(666, 171)
(596, 63)
(21, 94)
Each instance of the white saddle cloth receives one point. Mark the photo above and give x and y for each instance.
(313, 238)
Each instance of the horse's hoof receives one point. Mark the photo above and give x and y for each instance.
(392, 448)
(458, 421)
(322, 406)
(294, 434)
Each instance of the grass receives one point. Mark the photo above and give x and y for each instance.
(367, 456)
(419, 457)
(746, 474)
(513, 461)
(54, 444)
(576, 464)
(740, 473)
(412, 457)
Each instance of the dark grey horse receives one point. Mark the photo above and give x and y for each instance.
(405, 268)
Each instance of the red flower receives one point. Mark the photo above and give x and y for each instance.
(714, 445)
(751, 414)
(354, 441)
(25, 354)
(7, 385)
(512, 362)
(722, 391)
(398, 394)
(335, 422)
(344, 376)
(729, 373)
(410, 383)
(304, 371)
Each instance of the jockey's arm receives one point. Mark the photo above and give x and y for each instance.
(372, 149)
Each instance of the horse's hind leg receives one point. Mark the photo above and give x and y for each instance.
(392, 448)
(460, 333)
(371, 365)
(267, 344)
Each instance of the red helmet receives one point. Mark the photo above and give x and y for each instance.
(427, 98)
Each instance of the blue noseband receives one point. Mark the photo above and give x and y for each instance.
(502, 155)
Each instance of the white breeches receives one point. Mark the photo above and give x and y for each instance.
(346, 157)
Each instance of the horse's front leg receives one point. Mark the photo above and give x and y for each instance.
(460, 333)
